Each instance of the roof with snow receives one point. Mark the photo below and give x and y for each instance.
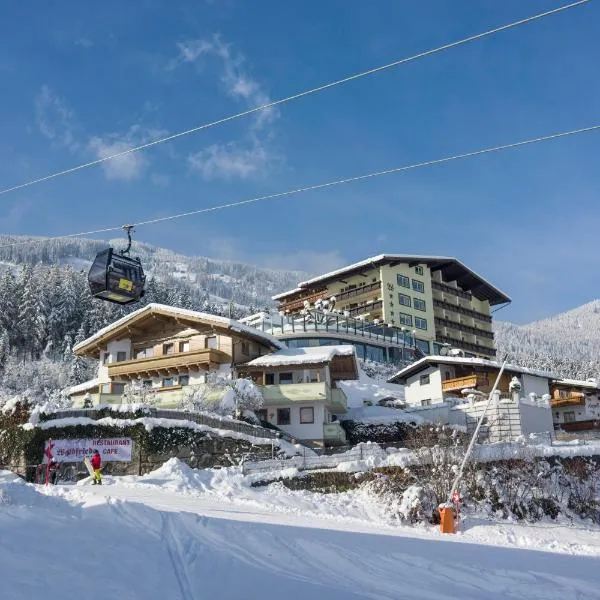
(85, 386)
(452, 269)
(189, 318)
(434, 361)
(592, 384)
(302, 356)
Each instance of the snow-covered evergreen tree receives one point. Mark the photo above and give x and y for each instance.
(80, 369)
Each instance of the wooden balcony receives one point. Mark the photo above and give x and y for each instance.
(372, 288)
(172, 364)
(298, 303)
(572, 400)
(461, 383)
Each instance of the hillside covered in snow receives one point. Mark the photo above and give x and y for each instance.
(568, 343)
(182, 534)
(204, 280)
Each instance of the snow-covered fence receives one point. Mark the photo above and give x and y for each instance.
(310, 460)
(214, 421)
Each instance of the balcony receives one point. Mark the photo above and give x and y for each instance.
(462, 310)
(359, 291)
(461, 383)
(298, 303)
(366, 308)
(448, 289)
(334, 399)
(164, 366)
(475, 348)
(574, 399)
(439, 322)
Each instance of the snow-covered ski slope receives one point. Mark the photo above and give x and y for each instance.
(176, 534)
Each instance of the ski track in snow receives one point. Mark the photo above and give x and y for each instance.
(129, 541)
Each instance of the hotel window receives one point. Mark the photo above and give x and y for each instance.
(184, 380)
(426, 402)
(420, 323)
(121, 356)
(286, 378)
(419, 304)
(307, 415)
(424, 380)
(404, 300)
(245, 348)
(283, 416)
(403, 281)
(106, 358)
(313, 376)
(211, 342)
(118, 388)
(168, 382)
(168, 348)
(569, 417)
(184, 346)
(269, 378)
(423, 346)
(143, 353)
(419, 270)
(405, 319)
(418, 286)
(147, 383)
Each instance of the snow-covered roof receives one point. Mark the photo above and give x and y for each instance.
(579, 383)
(175, 312)
(85, 386)
(428, 361)
(453, 268)
(298, 356)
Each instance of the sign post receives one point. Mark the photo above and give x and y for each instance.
(456, 501)
(48, 453)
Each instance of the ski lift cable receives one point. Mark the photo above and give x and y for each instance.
(319, 186)
(297, 95)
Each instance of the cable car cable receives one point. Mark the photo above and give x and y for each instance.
(319, 186)
(298, 95)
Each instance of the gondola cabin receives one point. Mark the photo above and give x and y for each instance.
(116, 278)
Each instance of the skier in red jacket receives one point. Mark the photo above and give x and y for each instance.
(96, 464)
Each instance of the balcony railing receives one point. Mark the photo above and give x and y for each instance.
(456, 343)
(297, 303)
(464, 328)
(359, 291)
(334, 399)
(372, 307)
(461, 383)
(443, 287)
(172, 364)
(462, 311)
(572, 400)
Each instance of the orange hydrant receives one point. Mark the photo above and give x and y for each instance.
(446, 518)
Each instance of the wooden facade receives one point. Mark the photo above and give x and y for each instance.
(165, 366)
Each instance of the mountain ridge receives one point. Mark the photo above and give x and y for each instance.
(567, 343)
(221, 280)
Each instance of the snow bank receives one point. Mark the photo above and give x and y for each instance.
(367, 389)
(382, 415)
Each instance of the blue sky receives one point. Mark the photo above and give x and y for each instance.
(82, 80)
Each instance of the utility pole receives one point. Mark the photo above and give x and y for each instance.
(476, 433)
